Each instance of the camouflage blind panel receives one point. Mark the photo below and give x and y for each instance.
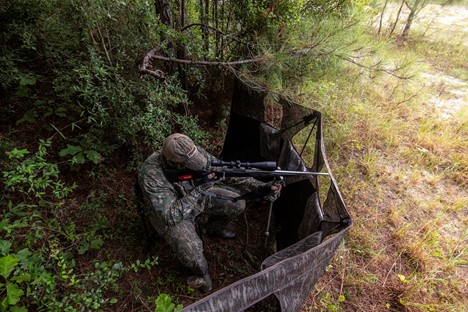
(313, 219)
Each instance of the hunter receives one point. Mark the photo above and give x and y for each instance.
(173, 208)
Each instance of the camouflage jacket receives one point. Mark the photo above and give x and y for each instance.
(168, 203)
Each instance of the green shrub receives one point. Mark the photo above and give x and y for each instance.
(38, 245)
(72, 65)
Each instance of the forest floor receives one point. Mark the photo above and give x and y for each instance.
(403, 173)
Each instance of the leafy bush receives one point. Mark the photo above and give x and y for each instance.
(37, 265)
(74, 64)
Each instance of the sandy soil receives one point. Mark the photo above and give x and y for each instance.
(441, 23)
(453, 96)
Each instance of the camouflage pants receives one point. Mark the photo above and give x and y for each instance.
(183, 237)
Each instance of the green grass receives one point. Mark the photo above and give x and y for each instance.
(402, 168)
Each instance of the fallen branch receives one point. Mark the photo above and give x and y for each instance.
(146, 67)
(190, 62)
(146, 64)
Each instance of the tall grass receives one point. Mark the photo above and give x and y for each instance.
(401, 163)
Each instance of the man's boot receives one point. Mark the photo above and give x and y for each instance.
(203, 283)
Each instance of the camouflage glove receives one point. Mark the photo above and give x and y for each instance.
(206, 179)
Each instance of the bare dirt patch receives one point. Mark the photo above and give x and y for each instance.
(436, 23)
(452, 95)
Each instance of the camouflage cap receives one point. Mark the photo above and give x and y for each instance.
(179, 148)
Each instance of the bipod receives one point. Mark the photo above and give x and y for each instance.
(271, 198)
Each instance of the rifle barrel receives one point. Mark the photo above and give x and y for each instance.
(293, 173)
(262, 165)
(243, 172)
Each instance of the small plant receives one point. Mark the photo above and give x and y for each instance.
(148, 264)
(80, 155)
(13, 291)
(164, 304)
(35, 176)
(331, 304)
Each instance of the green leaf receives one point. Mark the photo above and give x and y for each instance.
(94, 156)
(26, 256)
(83, 249)
(14, 293)
(61, 111)
(4, 303)
(18, 309)
(27, 80)
(164, 303)
(4, 247)
(7, 265)
(22, 91)
(70, 150)
(23, 277)
(97, 244)
(16, 153)
(78, 159)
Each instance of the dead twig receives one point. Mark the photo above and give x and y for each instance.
(216, 30)
(103, 43)
(376, 68)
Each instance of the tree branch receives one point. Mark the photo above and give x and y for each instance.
(376, 68)
(146, 67)
(408, 5)
(214, 29)
(190, 62)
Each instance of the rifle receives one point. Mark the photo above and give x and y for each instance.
(227, 169)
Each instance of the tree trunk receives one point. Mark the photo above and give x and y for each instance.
(180, 48)
(204, 8)
(409, 21)
(216, 25)
(397, 18)
(182, 14)
(382, 15)
(163, 9)
(415, 8)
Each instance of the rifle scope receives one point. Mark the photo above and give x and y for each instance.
(262, 165)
